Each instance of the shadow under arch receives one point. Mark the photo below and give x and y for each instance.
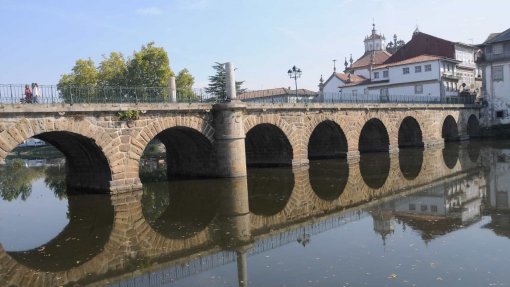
(267, 145)
(409, 133)
(451, 154)
(86, 165)
(450, 130)
(188, 154)
(327, 141)
(374, 137)
(328, 178)
(410, 162)
(473, 127)
(91, 220)
(375, 169)
(269, 189)
(180, 209)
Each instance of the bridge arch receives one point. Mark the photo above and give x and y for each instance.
(188, 143)
(450, 129)
(267, 145)
(409, 133)
(473, 126)
(374, 137)
(90, 162)
(327, 141)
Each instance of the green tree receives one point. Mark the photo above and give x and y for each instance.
(84, 74)
(112, 71)
(218, 83)
(149, 67)
(184, 82)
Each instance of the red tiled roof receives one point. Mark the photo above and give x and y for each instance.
(275, 92)
(380, 57)
(417, 59)
(423, 44)
(345, 77)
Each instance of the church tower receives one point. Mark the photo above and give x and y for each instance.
(374, 42)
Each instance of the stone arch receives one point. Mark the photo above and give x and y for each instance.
(267, 145)
(450, 130)
(473, 126)
(292, 136)
(327, 141)
(409, 133)
(192, 133)
(374, 137)
(88, 149)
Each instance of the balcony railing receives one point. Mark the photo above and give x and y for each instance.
(494, 57)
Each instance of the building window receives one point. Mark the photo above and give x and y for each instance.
(497, 73)
(500, 114)
(385, 74)
(448, 67)
(428, 68)
(412, 206)
(417, 69)
(418, 89)
(376, 75)
(405, 71)
(423, 207)
(354, 92)
(383, 92)
(433, 208)
(497, 48)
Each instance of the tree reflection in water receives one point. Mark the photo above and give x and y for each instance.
(16, 180)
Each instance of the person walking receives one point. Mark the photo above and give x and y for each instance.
(28, 94)
(36, 93)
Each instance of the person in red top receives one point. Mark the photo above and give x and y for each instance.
(28, 94)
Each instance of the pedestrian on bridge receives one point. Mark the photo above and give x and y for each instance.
(28, 95)
(35, 93)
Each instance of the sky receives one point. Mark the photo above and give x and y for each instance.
(42, 39)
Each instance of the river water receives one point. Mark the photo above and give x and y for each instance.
(433, 217)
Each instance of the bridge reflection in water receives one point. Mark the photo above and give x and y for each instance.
(172, 230)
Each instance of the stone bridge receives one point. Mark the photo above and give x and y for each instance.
(103, 152)
(127, 245)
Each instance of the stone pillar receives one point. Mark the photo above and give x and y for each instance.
(172, 90)
(231, 81)
(229, 131)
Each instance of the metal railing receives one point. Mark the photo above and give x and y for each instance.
(52, 94)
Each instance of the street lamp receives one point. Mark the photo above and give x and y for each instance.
(295, 73)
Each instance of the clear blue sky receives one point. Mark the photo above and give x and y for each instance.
(41, 39)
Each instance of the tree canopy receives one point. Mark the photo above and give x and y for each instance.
(184, 82)
(218, 83)
(149, 67)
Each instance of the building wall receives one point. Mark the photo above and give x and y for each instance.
(332, 85)
(497, 93)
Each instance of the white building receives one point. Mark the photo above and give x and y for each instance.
(494, 61)
(426, 68)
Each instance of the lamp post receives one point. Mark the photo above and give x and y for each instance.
(295, 73)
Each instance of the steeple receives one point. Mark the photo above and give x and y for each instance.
(374, 42)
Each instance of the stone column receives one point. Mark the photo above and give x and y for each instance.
(172, 90)
(231, 81)
(229, 131)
